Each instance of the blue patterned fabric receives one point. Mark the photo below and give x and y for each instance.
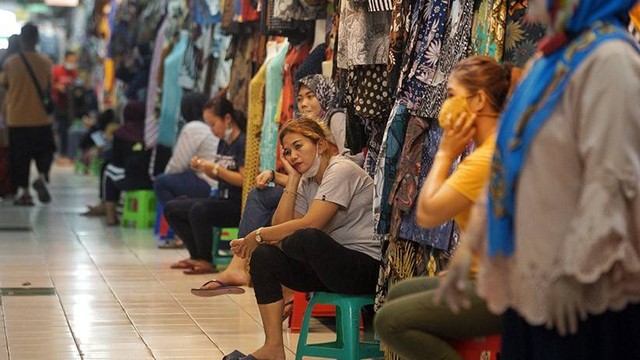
(393, 150)
(534, 101)
(428, 24)
(439, 237)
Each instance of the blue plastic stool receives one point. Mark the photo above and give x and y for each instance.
(222, 256)
(162, 230)
(139, 208)
(347, 345)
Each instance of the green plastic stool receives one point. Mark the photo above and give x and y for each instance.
(222, 257)
(139, 208)
(347, 345)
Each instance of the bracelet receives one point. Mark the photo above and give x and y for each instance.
(215, 169)
(273, 176)
(287, 191)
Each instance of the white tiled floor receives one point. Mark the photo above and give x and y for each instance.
(115, 296)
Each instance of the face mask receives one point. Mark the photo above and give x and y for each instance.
(313, 170)
(453, 106)
(227, 134)
(69, 66)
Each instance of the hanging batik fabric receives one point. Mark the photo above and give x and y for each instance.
(273, 92)
(489, 26)
(363, 37)
(255, 116)
(522, 37)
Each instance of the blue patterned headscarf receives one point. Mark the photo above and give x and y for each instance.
(588, 24)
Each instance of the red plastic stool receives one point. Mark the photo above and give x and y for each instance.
(482, 348)
(300, 306)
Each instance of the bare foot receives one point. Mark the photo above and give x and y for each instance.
(184, 264)
(267, 352)
(231, 278)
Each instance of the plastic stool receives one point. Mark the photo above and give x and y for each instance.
(222, 257)
(139, 208)
(482, 348)
(300, 304)
(347, 345)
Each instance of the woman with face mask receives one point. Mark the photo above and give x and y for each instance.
(193, 220)
(410, 322)
(321, 238)
(316, 101)
(562, 253)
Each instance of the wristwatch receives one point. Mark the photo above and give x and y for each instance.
(215, 170)
(258, 237)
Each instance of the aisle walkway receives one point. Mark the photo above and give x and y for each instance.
(72, 288)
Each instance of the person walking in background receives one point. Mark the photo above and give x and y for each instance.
(30, 125)
(63, 77)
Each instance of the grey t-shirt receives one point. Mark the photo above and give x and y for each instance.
(344, 183)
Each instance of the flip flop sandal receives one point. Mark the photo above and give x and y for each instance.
(195, 270)
(223, 289)
(287, 310)
(234, 355)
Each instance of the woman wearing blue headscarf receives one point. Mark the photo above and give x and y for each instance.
(562, 255)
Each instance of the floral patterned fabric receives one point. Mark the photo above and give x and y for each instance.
(363, 37)
(425, 88)
(521, 38)
(428, 28)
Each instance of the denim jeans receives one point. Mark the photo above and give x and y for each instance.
(259, 209)
(169, 186)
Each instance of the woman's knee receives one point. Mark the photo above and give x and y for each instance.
(262, 259)
(160, 183)
(386, 321)
(171, 207)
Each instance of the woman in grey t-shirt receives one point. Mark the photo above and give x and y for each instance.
(322, 233)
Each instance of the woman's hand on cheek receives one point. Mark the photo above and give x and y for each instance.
(458, 135)
(289, 168)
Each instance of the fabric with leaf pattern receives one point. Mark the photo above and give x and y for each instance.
(521, 37)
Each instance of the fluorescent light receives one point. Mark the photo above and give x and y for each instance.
(67, 3)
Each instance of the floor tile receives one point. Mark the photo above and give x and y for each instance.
(114, 296)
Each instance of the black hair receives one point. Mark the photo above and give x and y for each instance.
(29, 34)
(221, 107)
(192, 105)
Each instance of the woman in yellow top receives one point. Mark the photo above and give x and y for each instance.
(411, 322)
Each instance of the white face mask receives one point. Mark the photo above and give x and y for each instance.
(69, 66)
(227, 134)
(313, 170)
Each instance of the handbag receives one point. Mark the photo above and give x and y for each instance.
(45, 96)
